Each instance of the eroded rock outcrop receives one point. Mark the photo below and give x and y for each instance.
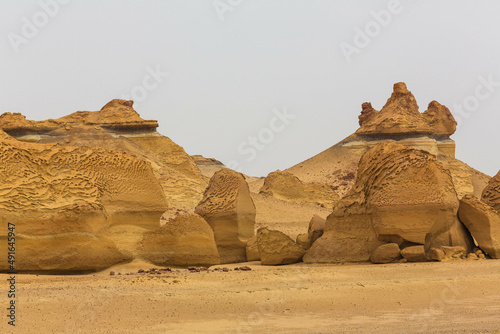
(491, 194)
(117, 126)
(277, 248)
(399, 193)
(401, 122)
(186, 240)
(252, 249)
(64, 253)
(56, 193)
(316, 228)
(230, 212)
(483, 222)
(288, 187)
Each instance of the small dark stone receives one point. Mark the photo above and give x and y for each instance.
(111, 273)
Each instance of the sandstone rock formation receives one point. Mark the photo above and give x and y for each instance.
(230, 211)
(414, 254)
(117, 126)
(387, 253)
(398, 121)
(367, 112)
(456, 236)
(483, 222)
(186, 240)
(491, 194)
(276, 248)
(49, 189)
(63, 253)
(252, 249)
(400, 193)
(288, 187)
(207, 166)
(59, 193)
(316, 228)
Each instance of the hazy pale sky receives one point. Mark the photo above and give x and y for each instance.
(258, 84)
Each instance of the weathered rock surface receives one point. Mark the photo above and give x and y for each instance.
(117, 126)
(64, 253)
(276, 248)
(483, 222)
(399, 193)
(56, 193)
(387, 253)
(491, 193)
(252, 249)
(399, 121)
(51, 189)
(186, 240)
(316, 228)
(414, 254)
(303, 241)
(400, 115)
(288, 187)
(230, 212)
(456, 236)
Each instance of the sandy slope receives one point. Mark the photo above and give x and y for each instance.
(459, 297)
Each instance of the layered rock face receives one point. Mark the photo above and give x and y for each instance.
(483, 222)
(398, 121)
(186, 240)
(491, 194)
(63, 253)
(75, 189)
(117, 126)
(400, 195)
(288, 187)
(72, 197)
(229, 210)
(400, 116)
(277, 248)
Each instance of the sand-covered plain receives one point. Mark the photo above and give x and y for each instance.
(452, 297)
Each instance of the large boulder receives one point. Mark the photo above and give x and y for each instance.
(491, 194)
(230, 212)
(62, 253)
(288, 187)
(400, 195)
(483, 222)
(252, 249)
(186, 240)
(387, 253)
(276, 248)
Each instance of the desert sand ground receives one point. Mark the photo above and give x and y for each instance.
(453, 297)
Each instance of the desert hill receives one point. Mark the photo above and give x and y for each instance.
(398, 121)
